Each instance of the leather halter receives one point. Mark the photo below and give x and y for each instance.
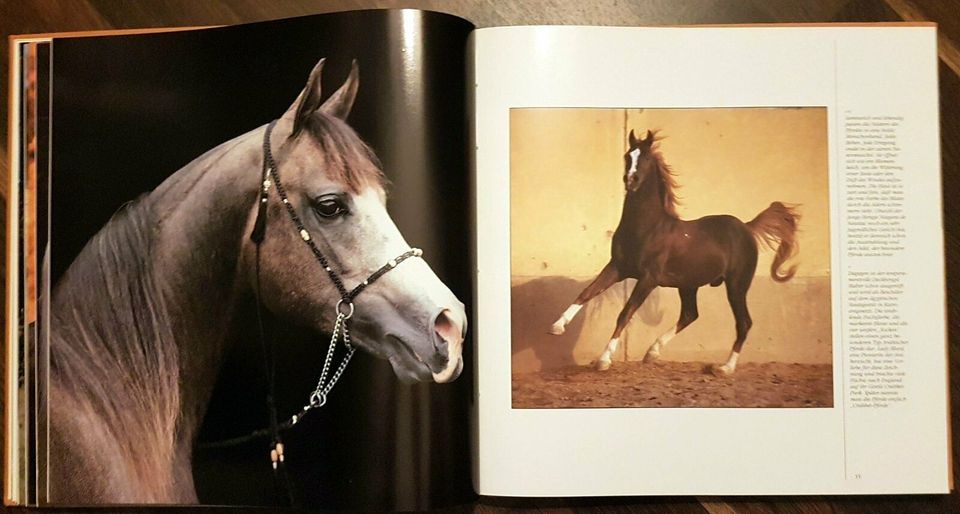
(270, 178)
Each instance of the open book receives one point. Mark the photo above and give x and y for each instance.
(575, 261)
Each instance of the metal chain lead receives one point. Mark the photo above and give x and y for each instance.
(319, 396)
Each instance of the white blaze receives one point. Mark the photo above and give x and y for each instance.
(634, 156)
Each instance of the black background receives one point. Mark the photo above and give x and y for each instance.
(129, 111)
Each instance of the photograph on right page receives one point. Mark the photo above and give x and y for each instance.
(670, 257)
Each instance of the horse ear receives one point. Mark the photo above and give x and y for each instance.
(632, 139)
(307, 101)
(649, 139)
(340, 103)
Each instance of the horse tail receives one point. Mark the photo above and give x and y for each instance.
(776, 228)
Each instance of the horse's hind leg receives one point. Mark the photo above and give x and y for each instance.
(688, 314)
(607, 277)
(738, 302)
(639, 294)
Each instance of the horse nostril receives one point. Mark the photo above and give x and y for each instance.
(447, 331)
(448, 341)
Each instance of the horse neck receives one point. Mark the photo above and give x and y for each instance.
(204, 215)
(139, 323)
(644, 208)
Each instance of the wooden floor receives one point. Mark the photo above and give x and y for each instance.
(23, 16)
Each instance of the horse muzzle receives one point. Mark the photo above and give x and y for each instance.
(448, 331)
(432, 352)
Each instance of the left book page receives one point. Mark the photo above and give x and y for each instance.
(197, 268)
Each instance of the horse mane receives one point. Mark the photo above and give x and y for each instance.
(114, 356)
(346, 153)
(667, 178)
(132, 347)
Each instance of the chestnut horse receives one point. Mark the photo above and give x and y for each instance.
(653, 245)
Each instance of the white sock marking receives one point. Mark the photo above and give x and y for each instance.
(571, 311)
(608, 351)
(662, 341)
(732, 361)
(561, 324)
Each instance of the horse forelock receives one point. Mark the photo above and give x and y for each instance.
(349, 159)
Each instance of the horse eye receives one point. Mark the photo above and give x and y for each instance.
(329, 206)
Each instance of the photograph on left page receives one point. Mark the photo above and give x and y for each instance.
(257, 266)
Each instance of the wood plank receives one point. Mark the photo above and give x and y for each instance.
(944, 12)
(947, 49)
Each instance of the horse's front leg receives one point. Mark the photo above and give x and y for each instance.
(607, 277)
(640, 292)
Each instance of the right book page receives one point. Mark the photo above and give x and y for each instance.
(710, 261)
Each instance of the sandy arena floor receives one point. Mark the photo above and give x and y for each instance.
(676, 384)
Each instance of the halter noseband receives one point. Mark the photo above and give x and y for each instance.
(270, 177)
